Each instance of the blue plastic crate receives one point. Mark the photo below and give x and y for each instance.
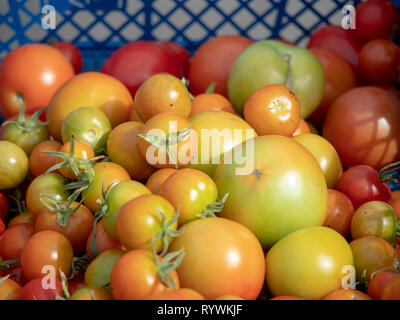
(97, 27)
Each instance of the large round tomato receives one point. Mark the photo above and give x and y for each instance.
(221, 257)
(274, 189)
(363, 125)
(212, 62)
(179, 52)
(71, 52)
(13, 165)
(308, 263)
(35, 72)
(89, 89)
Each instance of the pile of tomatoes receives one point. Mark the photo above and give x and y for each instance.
(166, 176)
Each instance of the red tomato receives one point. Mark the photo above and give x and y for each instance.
(212, 62)
(13, 240)
(103, 240)
(179, 52)
(41, 289)
(392, 290)
(363, 125)
(134, 62)
(391, 89)
(71, 52)
(375, 19)
(2, 227)
(339, 213)
(75, 284)
(338, 40)
(4, 204)
(35, 71)
(378, 282)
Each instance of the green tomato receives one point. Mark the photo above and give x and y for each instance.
(273, 62)
(89, 125)
(13, 165)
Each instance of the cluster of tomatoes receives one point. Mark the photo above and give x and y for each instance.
(169, 177)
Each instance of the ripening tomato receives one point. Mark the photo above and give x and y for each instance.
(308, 263)
(379, 280)
(179, 52)
(212, 62)
(190, 191)
(35, 72)
(135, 277)
(140, 220)
(40, 162)
(157, 179)
(392, 290)
(302, 128)
(102, 239)
(89, 292)
(347, 294)
(105, 173)
(162, 93)
(9, 289)
(41, 289)
(363, 125)
(210, 102)
(273, 109)
(71, 52)
(235, 265)
(123, 149)
(395, 202)
(13, 240)
(339, 213)
(89, 89)
(13, 165)
(180, 294)
(21, 219)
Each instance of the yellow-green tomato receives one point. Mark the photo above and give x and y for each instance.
(13, 165)
(118, 196)
(325, 154)
(308, 263)
(275, 187)
(190, 191)
(375, 218)
(99, 270)
(91, 293)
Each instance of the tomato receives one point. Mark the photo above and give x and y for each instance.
(278, 189)
(40, 162)
(46, 248)
(140, 220)
(89, 125)
(375, 19)
(4, 205)
(339, 213)
(229, 297)
(134, 277)
(235, 265)
(286, 298)
(302, 128)
(212, 62)
(378, 61)
(217, 132)
(13, 165)
(190, 191)
(89, 89)
(35, 72)
(41, 289)
(162, 93)
(338, 40)
(363, 125)
(105, 173)
(123, 149)
(308, 263)
(103, 240)
(179, 52)
(75, 284)
(392, 290)
(347, 294)
(371, 254)
(77, 230)
(165, 127)
(9, 289)
(361, 184)
(273, 109)
(378, 282)
(119, 196)
(135, 62)
(339, 78)
(210, 102)
(2, 227)
(391, 89)
(180, 294)
(91, 293)
(71, 52)
(395, 202)
(157, 179)
(51, 184)
(13, 240)
(325, 154)
(21, 219)
(99, 270)
(15, 273)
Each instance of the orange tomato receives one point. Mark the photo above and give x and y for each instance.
(347, 294)
(302, 128)
(339, 213)
(211, 102)
(9, 289)
(157, 179)
(103, 240)
(39, 162)
(395, 202)
(123, 149)
(273, 109)
(180, 294)
(89, 89)
(162, 92)
(22, 218)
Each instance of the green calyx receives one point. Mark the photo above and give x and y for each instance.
(8, 264)
(63, 210)
(388, 173)
(166, 233)
(213, 208)
(211, 87)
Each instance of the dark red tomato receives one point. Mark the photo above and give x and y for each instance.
(363, 125)
(134, 62)
(361, 184)
(179, 52)
(378, 61)
(72, 53)
(4, 205)
(41, 289)
(378, 282)
(375, 19)
(339, 41)
(13, 239)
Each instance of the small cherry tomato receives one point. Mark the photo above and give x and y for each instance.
(13, 165)
(395, 202)
(347, 294)
(392, 290)
(41, 289)
(302, 128)
(103, 240)
(13, 240)
(22, 218)
(209, 102)
(180, 294)
(9, 289)
(89, 292)
(40, 162)
(71, 52)
(157, 179)
(379, 280)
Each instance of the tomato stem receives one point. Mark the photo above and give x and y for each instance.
(213, 208)
(388, 173)
(8, 264)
